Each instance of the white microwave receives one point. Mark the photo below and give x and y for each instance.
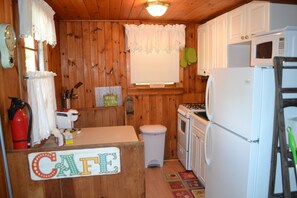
(282, 42)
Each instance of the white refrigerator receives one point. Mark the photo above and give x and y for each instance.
(238, 139)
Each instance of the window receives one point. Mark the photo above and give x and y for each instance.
(154, 68)
(154, 52)
(31, 54)
(34, 55)
(37, 27)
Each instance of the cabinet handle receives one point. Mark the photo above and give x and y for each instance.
(246, 37)
(209, 98)
(242, 37)
(206, 159)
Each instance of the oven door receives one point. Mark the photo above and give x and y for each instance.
(183, 140)
(183, 131)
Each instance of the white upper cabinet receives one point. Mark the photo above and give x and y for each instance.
(235, 29)
(236, 25)
(259, 17)
(211, 25)
(212, 45)
(203, 50)
(221, 41)
(247, 20)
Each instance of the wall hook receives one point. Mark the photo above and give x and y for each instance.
(110, 72)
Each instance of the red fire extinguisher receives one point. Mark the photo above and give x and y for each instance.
(20, 124)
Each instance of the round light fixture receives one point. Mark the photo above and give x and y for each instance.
(156, 8)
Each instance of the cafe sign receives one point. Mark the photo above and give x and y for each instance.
(74, 163)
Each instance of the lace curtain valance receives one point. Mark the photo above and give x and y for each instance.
(154, 37)
(37, 20)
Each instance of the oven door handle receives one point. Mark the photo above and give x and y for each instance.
(182, 118)
(206, 158)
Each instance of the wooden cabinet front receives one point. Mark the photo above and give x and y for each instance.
(129, 182)
(197, 164)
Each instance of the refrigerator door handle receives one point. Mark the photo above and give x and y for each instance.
(206, 159)
(208, 97)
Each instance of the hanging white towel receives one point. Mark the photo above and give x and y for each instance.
(42, 99)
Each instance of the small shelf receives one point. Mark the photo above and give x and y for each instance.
(98, 108)
(155, 91)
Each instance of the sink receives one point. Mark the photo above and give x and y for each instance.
(202, 115)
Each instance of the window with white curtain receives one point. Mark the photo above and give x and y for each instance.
(37, 26)
(37, 20)
(154, 52)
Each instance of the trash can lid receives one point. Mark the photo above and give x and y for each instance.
(153, 129)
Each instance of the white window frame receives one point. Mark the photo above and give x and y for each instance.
(38, 49)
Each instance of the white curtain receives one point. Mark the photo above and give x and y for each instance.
(42, 99)
(154, 37)
(37, 20)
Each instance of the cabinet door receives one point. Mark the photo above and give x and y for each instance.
(202, 164)
(257, 18)
(211, 25)
(198, 127)
(221, 41)
(194, 148)
(236, 25)
(202, 50)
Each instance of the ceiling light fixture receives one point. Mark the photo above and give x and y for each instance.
(156, 8)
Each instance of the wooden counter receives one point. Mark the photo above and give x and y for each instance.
(128, 183)
(103, 135)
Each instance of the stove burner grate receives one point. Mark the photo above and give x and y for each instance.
(194, 105)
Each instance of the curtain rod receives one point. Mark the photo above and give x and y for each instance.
(38, 77)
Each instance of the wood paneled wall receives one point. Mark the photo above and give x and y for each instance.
(54, 64)
(9, 86)
(93, 52)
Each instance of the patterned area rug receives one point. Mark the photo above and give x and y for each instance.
(184, 185)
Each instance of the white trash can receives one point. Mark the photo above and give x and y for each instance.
(154, 144)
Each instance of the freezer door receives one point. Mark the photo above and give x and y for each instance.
(231, 164)
(233, 99)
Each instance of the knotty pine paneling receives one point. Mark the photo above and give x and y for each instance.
(128, 183)
(54, 65)
(93, 52)
(9, 86)
(158, 109)
(179, 10)
(94, 117)
(194, 85)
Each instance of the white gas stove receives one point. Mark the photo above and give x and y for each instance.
(187, 108)
(183, 130)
